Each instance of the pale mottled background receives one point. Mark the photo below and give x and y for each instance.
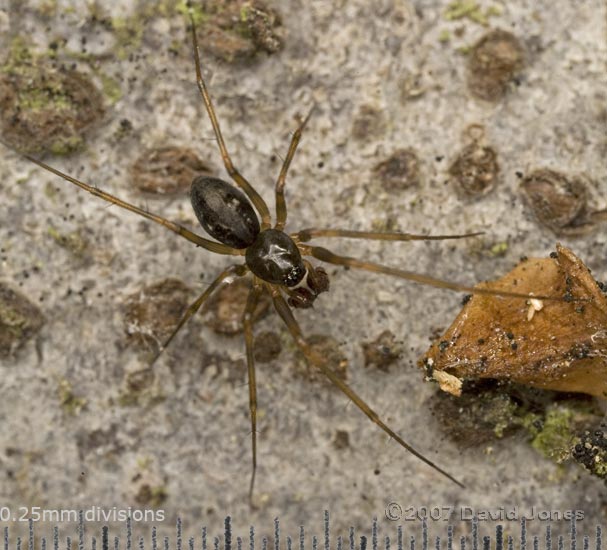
(195, 443)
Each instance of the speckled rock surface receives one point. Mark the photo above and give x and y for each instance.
(385, 76)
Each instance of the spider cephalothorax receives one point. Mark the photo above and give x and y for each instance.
(275, 258)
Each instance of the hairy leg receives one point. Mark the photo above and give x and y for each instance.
(247, 323)
(308, 234)
(238, 270)
(176, 228)
(325, 255)
(253, 195)
(317, 360)
(281, 205)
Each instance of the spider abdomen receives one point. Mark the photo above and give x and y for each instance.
(275, 258)
(224, 212)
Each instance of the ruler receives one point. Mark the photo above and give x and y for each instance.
(420, 535)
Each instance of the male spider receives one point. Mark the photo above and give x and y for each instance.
(273, 257)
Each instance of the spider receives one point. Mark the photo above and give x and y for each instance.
(239, 220)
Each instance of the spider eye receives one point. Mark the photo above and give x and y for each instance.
(295, 275)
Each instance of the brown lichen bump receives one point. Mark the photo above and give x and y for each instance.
(45, 108)
(236, 30)
(557, 345)
(152, 313)
(382, 352)
(475, 170)
(327, 347)
(559, 202)
(20, 320)
(494, 61)
(167, 170)
(266, 347)
(369, 122)
(227, 307)
(399, 171)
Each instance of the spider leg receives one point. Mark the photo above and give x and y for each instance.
(247, 323)
(176, 228)
(325, 255)
(281, 205)
(314, 232)
(238, 270)
(253, 195)
(319, 361)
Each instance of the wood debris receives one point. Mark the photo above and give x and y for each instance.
(557, 345)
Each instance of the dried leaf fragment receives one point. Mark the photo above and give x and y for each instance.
(447, 382)
(562, 347)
